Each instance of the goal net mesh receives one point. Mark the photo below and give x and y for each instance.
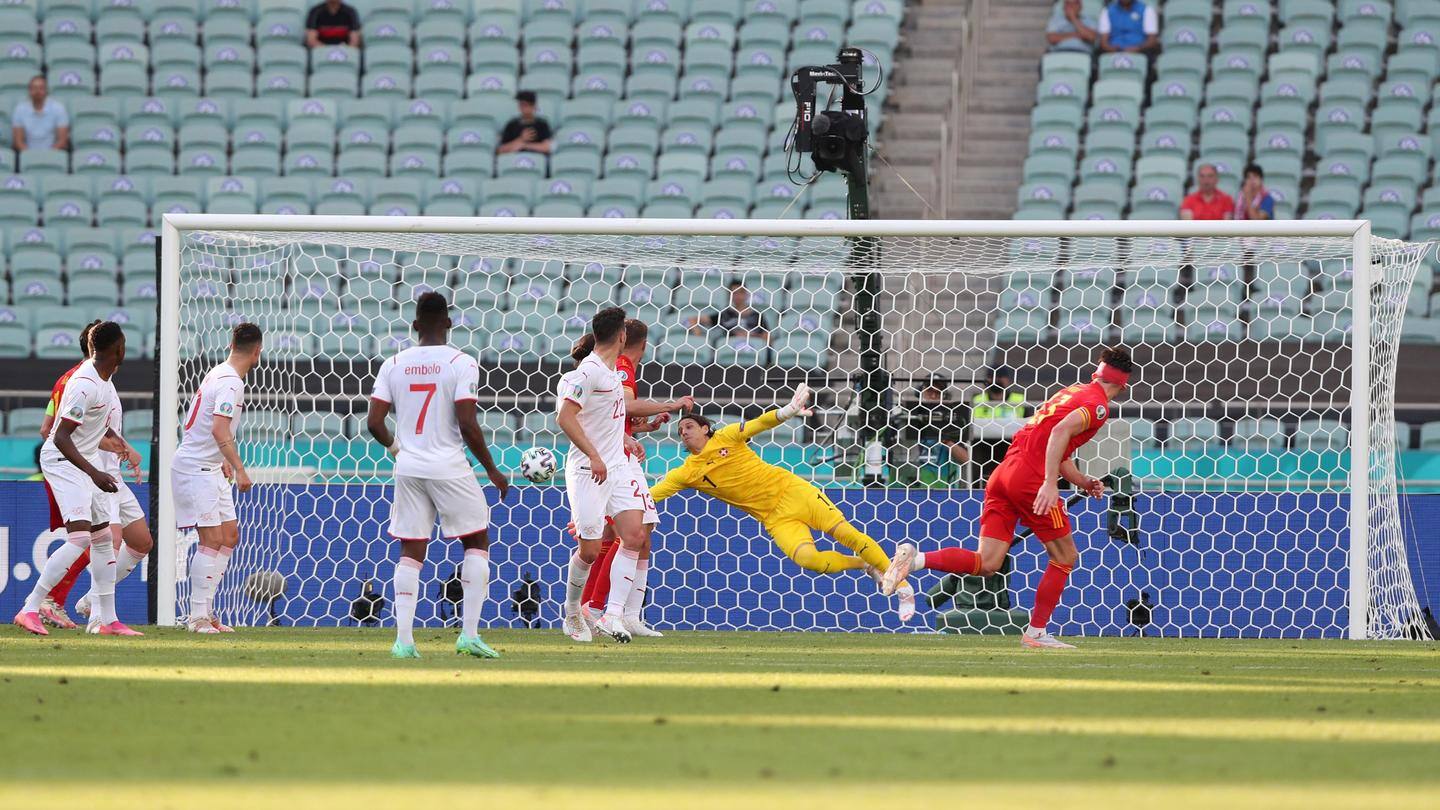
(1228, 458)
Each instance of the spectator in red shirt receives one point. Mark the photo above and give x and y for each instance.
(1207, 202)
(332, 23)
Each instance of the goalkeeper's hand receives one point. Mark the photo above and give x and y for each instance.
(799, 404)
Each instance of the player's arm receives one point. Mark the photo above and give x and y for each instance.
(380, 399)
(225, 440)
(475, 440)
(65, 443)
(569, 421)
(113, 442)
(641, 408)
(799, 406)
(49, 420)
(1070, 471)
(673, 482)
(1049, 494)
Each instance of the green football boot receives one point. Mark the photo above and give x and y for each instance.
(404, 651)
(473, 645)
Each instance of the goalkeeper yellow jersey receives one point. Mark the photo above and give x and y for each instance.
(728, 470)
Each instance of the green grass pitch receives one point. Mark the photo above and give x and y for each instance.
(285, 718)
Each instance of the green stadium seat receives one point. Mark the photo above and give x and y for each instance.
(281, 82)
(1305, 36)
(1335, 119)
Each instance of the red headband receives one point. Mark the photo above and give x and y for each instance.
(1110, 374)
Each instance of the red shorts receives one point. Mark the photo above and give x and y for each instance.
(56, 522)
(1009, 496)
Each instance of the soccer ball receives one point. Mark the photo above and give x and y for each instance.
(538, 464)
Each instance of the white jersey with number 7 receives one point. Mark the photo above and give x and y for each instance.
(423, 383)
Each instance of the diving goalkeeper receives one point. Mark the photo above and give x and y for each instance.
(722, 465)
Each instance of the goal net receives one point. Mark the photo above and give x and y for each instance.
(1251, 463)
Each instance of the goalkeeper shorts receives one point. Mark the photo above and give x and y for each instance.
(801, 510)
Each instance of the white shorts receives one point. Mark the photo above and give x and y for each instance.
(76, 495)
(201, 499)
(459, 503)
(624, 490)
(127, 508)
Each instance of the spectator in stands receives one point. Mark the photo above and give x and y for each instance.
(1071, 29)
(332, 22)
(1130, 26)
(997, 412)
(1207, 201)
(1254, 201)
(739, 320)
(938, 424)
(41, 122)
(526, 132)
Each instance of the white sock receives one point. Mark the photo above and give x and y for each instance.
(125, 562)
(574, 583)
(200, 567)
(622, 580)
(407, 594)
(217, 573)
(919, 561)
(56, 565)
(474, 582)
(636, 599)
(102, 576)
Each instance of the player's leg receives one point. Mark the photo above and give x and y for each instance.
(825, 516)
(464, 513)
(793, 537)
(130, 535)
(588, 500)
(74, 494)
(634, 536)
(412, 520)
(597, 584)
(203, 502)
(998, 517)
(52, 607)
(1063, 558)
(634, 497)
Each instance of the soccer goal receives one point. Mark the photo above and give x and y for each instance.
(1251, 463)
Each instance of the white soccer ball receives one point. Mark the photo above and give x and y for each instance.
(538, 464)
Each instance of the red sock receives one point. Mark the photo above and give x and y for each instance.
(597, 586)
(953, 560)
(1047, 595)
(61, 592)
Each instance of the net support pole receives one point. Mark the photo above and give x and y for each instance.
(167, 410)
(1360, 436)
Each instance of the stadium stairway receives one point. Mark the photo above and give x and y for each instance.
(995, 109)
(931, 41)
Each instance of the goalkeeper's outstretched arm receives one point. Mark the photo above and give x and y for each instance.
(799, 405)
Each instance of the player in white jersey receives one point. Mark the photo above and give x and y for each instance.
(432, 388)
(201, 470)
(130, 532)
(592, 412)
(83, 492)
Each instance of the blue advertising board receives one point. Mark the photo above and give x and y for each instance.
(1213, 564)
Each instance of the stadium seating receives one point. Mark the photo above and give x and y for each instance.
(660, 108)
(1309, 90)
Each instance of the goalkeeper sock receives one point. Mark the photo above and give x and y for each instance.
(1047, 593)
(102, 575)
(950, 560)
(622, 580)
(200, 570)
(474, 582)
(407, 593)
(59, 561)
(862, 544)
(825, 562)
(636, 599)
(575, 583)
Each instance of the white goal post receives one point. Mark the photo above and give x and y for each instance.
(1266, 490)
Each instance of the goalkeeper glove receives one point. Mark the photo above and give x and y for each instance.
(799, 404)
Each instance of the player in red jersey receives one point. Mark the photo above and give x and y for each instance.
(597, 585)
(52, 610)
(1024, 489)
